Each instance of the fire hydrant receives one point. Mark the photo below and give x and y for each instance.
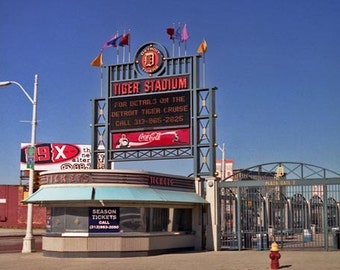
(274, 256)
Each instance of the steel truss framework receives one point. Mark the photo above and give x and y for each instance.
(295, 204)
(203, 146)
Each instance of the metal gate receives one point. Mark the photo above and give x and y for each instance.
(294, 204)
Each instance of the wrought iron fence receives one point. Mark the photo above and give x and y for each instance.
(301, 212)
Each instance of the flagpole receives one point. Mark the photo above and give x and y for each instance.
(124, 50)
(129, 54)
(101, 81)
(117, 49)
(184, 37)
(179, 48)
(179, 41)
(203, 69)
(173, 41)
(178, 35)
(202, 49)
(124, 54)
(129, 39)
(117, 53)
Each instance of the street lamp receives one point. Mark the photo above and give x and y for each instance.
(29, 241)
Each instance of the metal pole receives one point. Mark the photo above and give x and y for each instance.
(222, 162)
(29, 241)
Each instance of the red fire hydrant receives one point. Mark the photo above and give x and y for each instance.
(274, 256)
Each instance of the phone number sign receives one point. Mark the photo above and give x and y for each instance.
(104, 220)
(149, 111)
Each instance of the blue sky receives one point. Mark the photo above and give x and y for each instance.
(276, 65)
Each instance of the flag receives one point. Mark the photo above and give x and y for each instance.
(171, 32)
(125, 40)
(178, 33)
(202, 48)
(184, 34)
(112, 42)
(107, 43)
(98, 61)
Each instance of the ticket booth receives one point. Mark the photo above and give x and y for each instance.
(118, 213)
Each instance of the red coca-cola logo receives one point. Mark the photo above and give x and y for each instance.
(154, 136)
(159, 138)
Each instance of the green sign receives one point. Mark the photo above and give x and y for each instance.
(30, 151)
(30, 157)
(30, 163)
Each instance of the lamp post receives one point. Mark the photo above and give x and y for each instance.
(29, 241)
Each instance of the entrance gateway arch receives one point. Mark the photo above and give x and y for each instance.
(295, 204)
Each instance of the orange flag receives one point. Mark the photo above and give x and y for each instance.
(202, 48)
(98, 61)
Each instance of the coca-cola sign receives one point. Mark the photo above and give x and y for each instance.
(155, 138)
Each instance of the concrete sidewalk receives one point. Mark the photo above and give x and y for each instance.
(233, 260)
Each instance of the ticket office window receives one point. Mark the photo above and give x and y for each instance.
(66, 219)
(131, 219)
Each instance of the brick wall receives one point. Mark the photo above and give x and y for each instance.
(13, 213)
